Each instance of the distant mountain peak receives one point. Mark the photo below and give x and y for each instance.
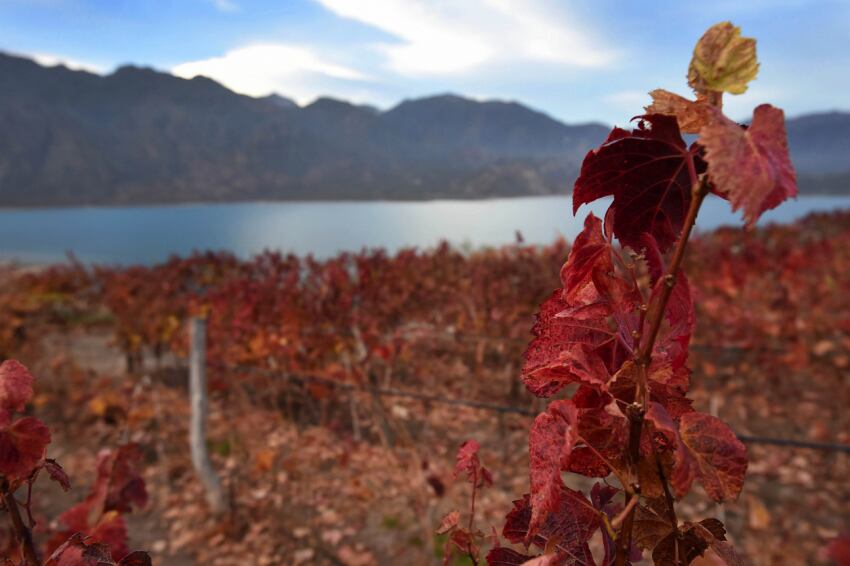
(280, 101)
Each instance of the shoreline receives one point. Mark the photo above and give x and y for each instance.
(308, 201)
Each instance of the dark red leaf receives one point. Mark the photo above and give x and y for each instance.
(646, 171)
(651, 525)
(57, 474)
(118, 486)
(679, 550)
(75, 541)
(22, 446)
(97, 552)
(565, 531)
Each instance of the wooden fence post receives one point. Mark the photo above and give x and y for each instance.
(198, 422)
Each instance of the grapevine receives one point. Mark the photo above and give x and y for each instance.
(617, 333)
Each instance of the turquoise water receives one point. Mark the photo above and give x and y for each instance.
(149, 234)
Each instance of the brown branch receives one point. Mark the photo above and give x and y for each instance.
(622, 516)
(643, 359)
(21, 530)
(671, 509)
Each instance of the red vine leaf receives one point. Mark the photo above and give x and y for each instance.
(76, 540)
(677, 549)
(720, 458)
(562, 351)
(566, 530)
(97, 552)
(449, 522)
(57, 474)
(751, 166)
(469, 464)
(692, 115)
(15, 387)
(646, 171)
(683, 545)
(590, 251)
(713, 533)
(551, 441)
(22, 446)
(118, 486)
(517, 520)
(603, 434)
(714, 455)
(581, 329)
(651, 525)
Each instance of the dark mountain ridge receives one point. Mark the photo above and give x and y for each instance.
(139, 136)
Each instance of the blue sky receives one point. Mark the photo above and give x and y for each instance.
(576, 60)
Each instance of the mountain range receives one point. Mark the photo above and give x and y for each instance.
(139, 136)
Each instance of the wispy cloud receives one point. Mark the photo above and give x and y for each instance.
(225, 5)
(438, 37)
(261, 69)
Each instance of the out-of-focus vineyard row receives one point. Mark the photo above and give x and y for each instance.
(779, 287)
(370, 482)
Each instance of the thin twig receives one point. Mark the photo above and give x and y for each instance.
(23, 532)
(628, 509)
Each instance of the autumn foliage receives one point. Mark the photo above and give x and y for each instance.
(615, 337)
(609, 360)
(93, 532)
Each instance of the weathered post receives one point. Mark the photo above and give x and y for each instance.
(198, 422)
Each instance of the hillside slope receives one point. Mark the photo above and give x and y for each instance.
(140, 136)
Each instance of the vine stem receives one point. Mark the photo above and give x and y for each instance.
(644, 357)
(472, 515)
(671, 510)
(23, 532)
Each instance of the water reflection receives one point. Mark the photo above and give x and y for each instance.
(149, 234)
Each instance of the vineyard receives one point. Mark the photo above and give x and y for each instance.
(320, 469)
(608, 401)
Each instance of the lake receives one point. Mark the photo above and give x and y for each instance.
(148, 234)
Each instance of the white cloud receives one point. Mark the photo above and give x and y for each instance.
(629, 100)
(261, 69)
(225, 5)
(453, 36)
(50, 60)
